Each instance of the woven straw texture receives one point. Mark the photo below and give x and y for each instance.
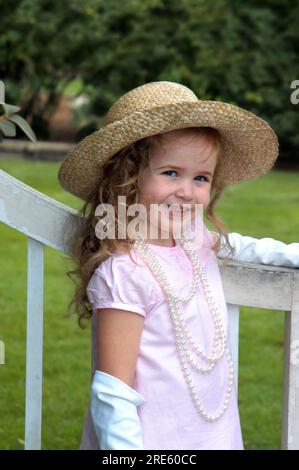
(249, 144)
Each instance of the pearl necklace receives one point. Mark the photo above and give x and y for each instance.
(179, 323)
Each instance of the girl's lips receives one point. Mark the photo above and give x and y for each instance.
(178, 207)
(180, 212)
(176, 210)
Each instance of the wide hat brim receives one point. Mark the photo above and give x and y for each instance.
(249, 145)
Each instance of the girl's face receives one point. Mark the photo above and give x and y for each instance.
(181, 172)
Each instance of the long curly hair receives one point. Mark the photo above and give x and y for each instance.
(119, 177)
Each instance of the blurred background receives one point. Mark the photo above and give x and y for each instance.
(64, 64)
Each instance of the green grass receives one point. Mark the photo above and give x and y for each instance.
(265, 207)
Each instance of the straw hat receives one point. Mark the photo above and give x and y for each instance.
(249, 144)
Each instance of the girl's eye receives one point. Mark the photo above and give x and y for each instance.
(173, 171)
(169, 171)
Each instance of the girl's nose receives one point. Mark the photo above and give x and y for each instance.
(185, 190)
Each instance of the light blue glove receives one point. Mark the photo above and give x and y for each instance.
(113, 409)
(262, 250)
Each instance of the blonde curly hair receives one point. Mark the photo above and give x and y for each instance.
(118, 177)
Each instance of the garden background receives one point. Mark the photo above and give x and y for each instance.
(64, 64)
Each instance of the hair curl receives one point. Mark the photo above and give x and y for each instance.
(120, 175)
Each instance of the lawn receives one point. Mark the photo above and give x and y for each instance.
(267, 207)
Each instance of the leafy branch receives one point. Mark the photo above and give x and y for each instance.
(9, 119)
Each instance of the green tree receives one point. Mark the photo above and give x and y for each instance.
(245, 53)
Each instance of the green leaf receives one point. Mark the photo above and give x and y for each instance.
(24, 126)
(9, 109)
(7, 128)
(253, 97)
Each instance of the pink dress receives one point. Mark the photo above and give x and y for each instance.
(168, 417)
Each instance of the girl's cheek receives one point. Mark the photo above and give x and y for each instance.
(169, 184)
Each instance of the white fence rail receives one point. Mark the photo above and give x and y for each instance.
(47, 222)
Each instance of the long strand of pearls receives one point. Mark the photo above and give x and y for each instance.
(180, 326)
(198, 273)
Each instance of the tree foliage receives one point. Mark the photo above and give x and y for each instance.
(245, 53)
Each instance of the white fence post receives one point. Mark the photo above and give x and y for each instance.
(34, 345)
(233, 324)
(290, 419)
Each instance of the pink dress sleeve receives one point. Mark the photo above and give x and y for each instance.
(116, 284)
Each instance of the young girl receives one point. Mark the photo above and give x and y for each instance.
(162, 372)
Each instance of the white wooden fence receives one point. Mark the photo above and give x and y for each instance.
(47, 222)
